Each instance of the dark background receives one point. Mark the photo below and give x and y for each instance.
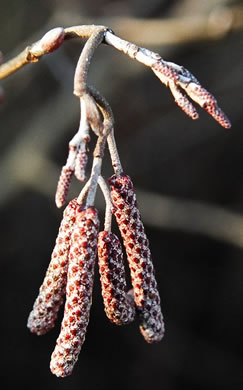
(188, 176)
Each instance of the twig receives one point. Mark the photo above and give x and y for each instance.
(169, 73)
(51, 41)
(74, 164)
(107, 113)
(96, 167)
(108, 202)
(81, 74)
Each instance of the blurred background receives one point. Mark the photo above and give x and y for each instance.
(188, 177)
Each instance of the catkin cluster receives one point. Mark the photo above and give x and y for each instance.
(71, 273)
(79, 241)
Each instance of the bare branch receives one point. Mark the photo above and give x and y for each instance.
(170, 74)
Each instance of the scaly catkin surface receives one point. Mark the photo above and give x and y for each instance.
(79, 292)
(119, 306)
(146, 294)
(42, 317)
(80, 165)
(63, 186)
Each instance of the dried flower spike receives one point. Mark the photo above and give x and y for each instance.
(42, 317)
(146, 294)
(119, 306)
(79, 292)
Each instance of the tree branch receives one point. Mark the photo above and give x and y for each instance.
(170, 74)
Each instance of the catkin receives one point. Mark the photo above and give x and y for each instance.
(42, 317)
(80, 164)
(78, 293)
(146, 294)
(63, 186)
(119, 306)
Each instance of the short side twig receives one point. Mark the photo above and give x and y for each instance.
(51, 41)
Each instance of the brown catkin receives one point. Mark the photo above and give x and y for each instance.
(82, 257)
(146, 294)
(119, 306)
(42, 317)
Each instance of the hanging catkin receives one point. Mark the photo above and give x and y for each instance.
(51, 294)
(146, 294)
(78, 292)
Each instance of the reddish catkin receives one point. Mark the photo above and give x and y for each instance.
(119, 306)
(63, 185)
(82, 257)
(80, 164)
(207, 101)
(50, 298)
(146, 294)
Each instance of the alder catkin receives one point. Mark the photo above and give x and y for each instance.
(82, 257)
(80, 164)
(63, 185)
(42, 317)
(207, 101)
(146, 294)
(119, 306)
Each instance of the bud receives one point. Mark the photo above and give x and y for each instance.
(146, 294)
(80, 278)
(51, 41)
(42, 317)
(119, 306)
